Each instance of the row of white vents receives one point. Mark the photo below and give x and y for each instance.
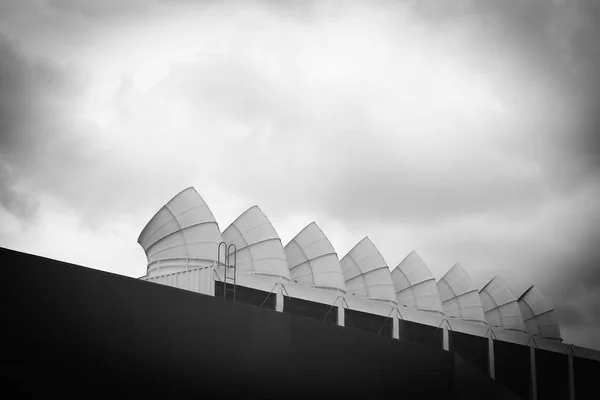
(184, 234)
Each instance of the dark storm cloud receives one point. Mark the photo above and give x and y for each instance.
(574, 281)
(496, 195)
(555, 43)
(30, 93)
(570, 314)
(46, 149)
(12, 200)
(367, 178)
(30, 89)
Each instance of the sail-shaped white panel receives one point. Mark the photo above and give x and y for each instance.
(182, 234)
(500, 305)
(538, 314)
(459, 296)
(258, 247)
(366, 273)
(313, 261)
(415, 285)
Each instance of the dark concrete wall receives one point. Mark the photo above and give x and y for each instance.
(552, 374)
(368, 322)
(587, 373)
(75, 331)
(513, 367)
(472, 348)
(429, 336)
(310, 309)
(246, 295)
(471, 383)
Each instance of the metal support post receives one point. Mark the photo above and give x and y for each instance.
(571, 373)
(532, 346)
(279, 298)
(491, 363)
(446, 337)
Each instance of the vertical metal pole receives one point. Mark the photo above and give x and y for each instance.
(232, 265)
(219, 263)
(225, 274)
(396, 325)
(341, 316)
(571, 375)
(279, 298)
(533, 372)
(492, 365)
(210, 280)
(446, 336)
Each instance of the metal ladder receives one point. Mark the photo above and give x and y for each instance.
(228, 265)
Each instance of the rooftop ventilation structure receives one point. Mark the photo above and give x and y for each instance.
(500, 305)
(538, 315)
(459, 296)
(258, 247)
(415, 285)
(182, 235)
(312, 260)
(366, 273)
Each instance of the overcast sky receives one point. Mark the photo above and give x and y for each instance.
(466, 130)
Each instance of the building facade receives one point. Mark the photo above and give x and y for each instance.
(514, 339)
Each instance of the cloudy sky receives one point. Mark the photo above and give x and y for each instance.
(465, 130)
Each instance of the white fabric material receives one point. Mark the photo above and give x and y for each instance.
(459, 296)
(538, 315)
(500, 305)
(415, 285)
(366, 273)
(258, 247)
(312, 260)
(183, 232)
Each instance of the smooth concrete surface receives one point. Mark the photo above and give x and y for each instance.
(74, 331)
(512, 367)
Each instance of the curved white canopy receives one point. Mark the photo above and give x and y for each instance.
(367, 274)
(459, 296)
(182, 233)
(313, 261)
(415, 285)
(258, 247)
(500, 305)
(538, 314)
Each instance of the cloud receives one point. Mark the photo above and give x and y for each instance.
(552, 47)
(464, 130)
(549, 42)
(29, 140)
(101, 10)
(50, 149)
(390, 143)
